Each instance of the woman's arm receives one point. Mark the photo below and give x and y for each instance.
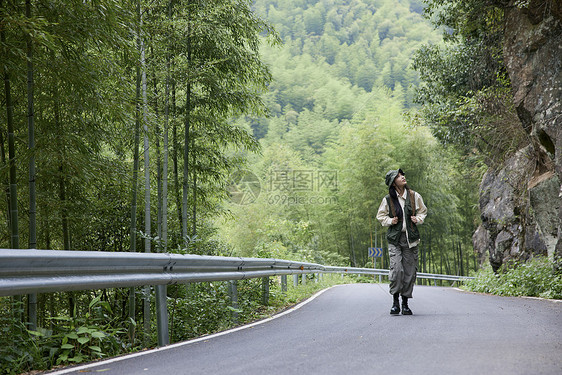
(382, 214)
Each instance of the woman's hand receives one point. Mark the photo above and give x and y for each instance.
(414, 219)
(395, 220)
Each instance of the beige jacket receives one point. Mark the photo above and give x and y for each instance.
(421, 212)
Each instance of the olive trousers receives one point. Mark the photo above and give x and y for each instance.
(403, 267)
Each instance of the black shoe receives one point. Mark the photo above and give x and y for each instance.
(405, 310)
(395, 310)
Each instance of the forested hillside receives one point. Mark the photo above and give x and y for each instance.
(335, 51)
(342, 84)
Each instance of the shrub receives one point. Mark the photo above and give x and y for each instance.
(535, 278)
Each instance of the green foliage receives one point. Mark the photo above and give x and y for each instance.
(84, 61)
(198, 309)
(465, 91)
(357, 39)
(535, 278)
(77, 339)
(335, 53)
(336, 226)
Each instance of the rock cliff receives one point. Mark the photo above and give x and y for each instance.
(520, 202)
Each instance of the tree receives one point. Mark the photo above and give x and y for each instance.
(32, 299)
(13, 201)
(465, 88)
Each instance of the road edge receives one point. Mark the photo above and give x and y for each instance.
(497, 295)
(192, 341)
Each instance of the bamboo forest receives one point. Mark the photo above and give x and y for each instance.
(234, 128)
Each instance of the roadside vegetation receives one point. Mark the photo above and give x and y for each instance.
(535, 278)
(101, 332)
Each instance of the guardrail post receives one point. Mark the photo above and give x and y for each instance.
(162, 315)
(132, 318)
(146, 314)
(233, 291)
(303, 278)
(265, 290)
(295, 280)
(284, 283)
(32, 303)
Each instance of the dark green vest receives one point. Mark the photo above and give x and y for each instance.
(394, 231)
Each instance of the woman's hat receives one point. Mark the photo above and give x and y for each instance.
(391, 175)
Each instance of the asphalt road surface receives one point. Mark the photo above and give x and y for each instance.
(348, 330)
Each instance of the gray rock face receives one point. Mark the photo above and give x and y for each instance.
(518, 220)
(545, 203)
(482, 242)
(520, 202)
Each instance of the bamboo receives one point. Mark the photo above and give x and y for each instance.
(158, 159)
(32, 242)
(14, 232)
(164, 237)
(133, 232)
(175, 147)
(147, 227)
(189, 141)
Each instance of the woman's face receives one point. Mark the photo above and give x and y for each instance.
(400, 181)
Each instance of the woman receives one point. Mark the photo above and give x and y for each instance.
(402, 210)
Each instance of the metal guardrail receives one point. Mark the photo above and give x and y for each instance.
(40, 271)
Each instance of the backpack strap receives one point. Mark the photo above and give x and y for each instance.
(391, 206)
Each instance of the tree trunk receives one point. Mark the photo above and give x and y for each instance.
(62, 194)
(186, 137)
(164, 237)
(158, 165)
(175, 148)
(32, 244)
(62, 182)
(147, 222)
(5, 184)
(133, 243)
(13, 201)
(31, 137)
(186, 164)
(14, 232)
(353, 259)
(461, 258)
(194, 178)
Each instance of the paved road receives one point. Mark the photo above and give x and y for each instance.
(348, 330)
